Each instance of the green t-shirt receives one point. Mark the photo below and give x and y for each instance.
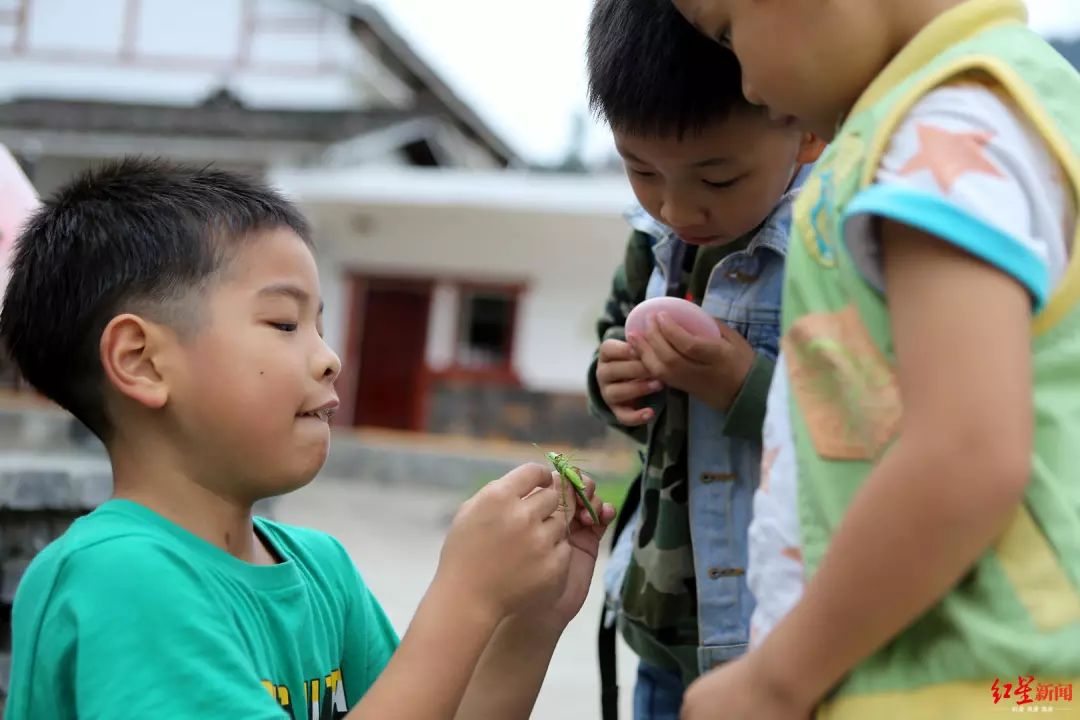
(127, 615)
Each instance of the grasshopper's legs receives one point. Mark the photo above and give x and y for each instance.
(564, 502)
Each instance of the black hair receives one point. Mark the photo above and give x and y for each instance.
(651, 73)
(135, 235)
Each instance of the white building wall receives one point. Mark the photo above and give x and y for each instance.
(442, 325)
(269, 53)
(565, 261)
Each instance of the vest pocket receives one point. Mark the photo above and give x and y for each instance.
(844, 387)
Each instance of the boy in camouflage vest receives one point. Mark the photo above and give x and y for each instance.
(715, 178)
(915, 548)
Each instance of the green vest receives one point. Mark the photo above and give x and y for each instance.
(1018, 611)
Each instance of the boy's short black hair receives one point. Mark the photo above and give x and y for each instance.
(652, 74)
(135, 235)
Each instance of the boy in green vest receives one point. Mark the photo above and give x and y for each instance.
(176, 311)
(715, 178)
(915, 548)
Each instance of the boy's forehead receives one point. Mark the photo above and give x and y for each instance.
(277, 257)
(719, 142)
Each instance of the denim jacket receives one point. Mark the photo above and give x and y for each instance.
(744, 291)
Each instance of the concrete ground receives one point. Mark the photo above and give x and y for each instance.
(394, 533)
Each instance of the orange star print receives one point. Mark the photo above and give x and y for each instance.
(766, 467)
(950, 155)
(792, 553)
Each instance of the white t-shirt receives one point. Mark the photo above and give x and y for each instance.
(964, 166)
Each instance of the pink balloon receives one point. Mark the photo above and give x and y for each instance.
(687, 315)
(17, 201)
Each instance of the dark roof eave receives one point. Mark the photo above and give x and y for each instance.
(366, 15)
(208, 120)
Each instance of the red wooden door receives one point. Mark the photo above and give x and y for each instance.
(392, 349)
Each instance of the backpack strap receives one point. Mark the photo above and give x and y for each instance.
(606, 637)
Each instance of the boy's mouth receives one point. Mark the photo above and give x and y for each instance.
(783, 119)
(323, 412)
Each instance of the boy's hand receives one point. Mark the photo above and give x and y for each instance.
(623, 380)
(739, 690)
(507, 548)
(585, 545)
(711, 370)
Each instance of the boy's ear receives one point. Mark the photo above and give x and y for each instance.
(810, 148)
(131, 351)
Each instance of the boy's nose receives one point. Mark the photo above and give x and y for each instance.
(681, 215)
(327, 363)
(750, 93)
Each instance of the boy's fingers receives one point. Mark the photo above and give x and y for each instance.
(604, 511)
(534, 491)
(665, 353)
(571, 496)
(597, 503)
(630, 417)
(681, 341)
(619, 370)
(542, 505)
(554, 530)
(583, 516)
(611, 350)
(590, 485)
(524, 479)
(626, 392)
(647, 355)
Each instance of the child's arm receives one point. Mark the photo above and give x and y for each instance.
(513, 667)
(505, 552)
(628, 288)
(942, 494)
(953, 480)
(426, 677)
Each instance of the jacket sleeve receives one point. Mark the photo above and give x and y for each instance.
(628, 288)
(746, 416)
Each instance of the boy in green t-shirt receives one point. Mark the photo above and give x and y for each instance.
(176, 312)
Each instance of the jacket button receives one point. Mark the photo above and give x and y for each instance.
(741, 277)
(717, 573)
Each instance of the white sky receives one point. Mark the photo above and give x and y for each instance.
(521, 64)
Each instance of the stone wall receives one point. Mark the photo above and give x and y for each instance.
(506, 412)
(51, 472)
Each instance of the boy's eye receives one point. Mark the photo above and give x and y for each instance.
(722, 184)
(643, 173)
(284, 327)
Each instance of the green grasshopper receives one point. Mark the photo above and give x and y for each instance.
(572, 475)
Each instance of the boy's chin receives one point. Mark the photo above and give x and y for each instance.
(291, 477)
(713, 241)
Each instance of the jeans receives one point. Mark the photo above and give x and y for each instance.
(658, 693)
